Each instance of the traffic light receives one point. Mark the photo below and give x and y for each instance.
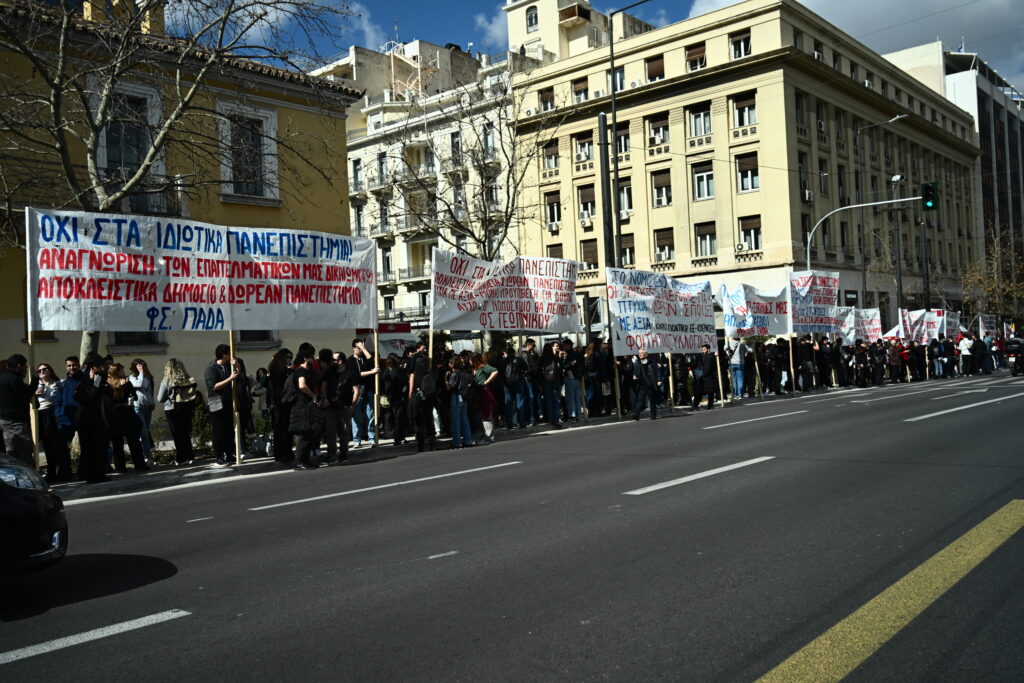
(929, 196)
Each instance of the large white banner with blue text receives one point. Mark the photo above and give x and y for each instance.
(658, 313)
(131, 273)
(752, 312)
(815, 297)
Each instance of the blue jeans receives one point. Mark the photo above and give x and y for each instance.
(462, 435)
(737, 380)
(552, 394)
(531, 408)
(515, 405)
(573, 400)
(145, 415)
(363, 410)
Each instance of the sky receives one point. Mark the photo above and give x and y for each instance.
(992, 28)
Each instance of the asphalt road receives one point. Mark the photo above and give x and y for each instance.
(864, 544)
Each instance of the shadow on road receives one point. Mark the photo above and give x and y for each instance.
(78, 578)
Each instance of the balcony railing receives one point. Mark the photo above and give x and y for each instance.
(413, 313)
(356, 186)
(382, 228)
(414, 273)
(385, 276)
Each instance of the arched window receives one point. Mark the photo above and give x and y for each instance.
(531, 19)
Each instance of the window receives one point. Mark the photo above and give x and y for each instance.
(823, 176)
(805, 228)
(249, 165)
(703, 180)
(854, 70)
(664, 245)
(126, 340)
(551, 154)
(826, 234)
(584, 146)
(532, 20)
(617, 79)
(885, 89)
(360, 219)
(357, 173)
(869, 79)
(840, 123)
(695, 58)
(553, 207)
(837, 61)
(800, 101)
(819, 50)
(386, 261)
(740, 43)
(546, 99)
(748, 177)
(588, 254)
(700, 120)
(821, 113)
(622, 141)
(844, 236)
(841, 182)
(382, 166)
(389, 304)
(490, 139)
(750, 232)
(744, 110)
(127, 141)
(555, 251)
(625, 194)
(627, 250)
(588, 207)
(661, 183)
(657, 126)
(580, 90)
(798, 40)
(455, 142)
(706, 240)
(655, 68)
(801, 169)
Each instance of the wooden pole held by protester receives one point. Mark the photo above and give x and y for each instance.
(757, 372)
(792, 367)
(376, 387)
(234, 402)
(721, 386)
(615, 366)
(33, 410)
(671, 384)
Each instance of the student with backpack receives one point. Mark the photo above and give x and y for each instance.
(178, 394)
(461, 389)
(280, 371)
(516, 393)
(487, 378)
(422, 400)
(551, 366)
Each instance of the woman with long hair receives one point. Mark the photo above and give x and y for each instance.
(142, 379)
(422, 399)
(487, 379)
(394, 389)
(122, 424)
(458, 382)
(46, 394)
(261, 392)
(179, 397)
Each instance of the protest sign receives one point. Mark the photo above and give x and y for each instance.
(922, 326)
(952, 324)
(658, 313)
(868, 323)
(764, 313)
(95, 271)
(814, 300)
(846, 324)
(987, 325)
(392, 337)
(527, 294)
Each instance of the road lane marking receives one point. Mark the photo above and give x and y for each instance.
(89, 636)
(836, 653)
(383, 486)
(198, 519)
(439, 556)
(694, 477)
(178, 487)
(909, 393)
(960, 393)
(966, 407)
(756, 419)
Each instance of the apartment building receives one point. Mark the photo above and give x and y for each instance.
(998, 110)
(433, 161)
(737, 131)
(565, 27)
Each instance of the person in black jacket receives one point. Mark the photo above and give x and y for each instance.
(647, 377)
(280, 371)
(92, 433)
(708, 383)
(551, 366)
(219, 375)
(15, 397)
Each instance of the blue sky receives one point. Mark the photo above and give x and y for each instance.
(992, 28)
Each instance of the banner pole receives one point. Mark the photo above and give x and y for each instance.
(33, 412)
(718, 372)
(376, 386)
(757, 372)
(927, 363)
(615, 365)
(671, 384)
(582, 369)
(234, 404)
(792, 371)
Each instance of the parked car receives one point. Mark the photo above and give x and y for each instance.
(33, 526)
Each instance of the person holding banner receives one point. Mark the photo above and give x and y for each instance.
(341, 387)
(15, 397)
(736, 351)
(647, 377)
(219, 375)
(307, 419)
(280, 371)
(92, 432)
(708, 382)
(363, 428)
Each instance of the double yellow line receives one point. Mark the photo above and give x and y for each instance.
(845, 646)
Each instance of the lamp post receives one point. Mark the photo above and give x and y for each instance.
(896, 180)
(616, 208)
(863, 233)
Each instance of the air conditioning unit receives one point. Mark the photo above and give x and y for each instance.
(662, 256)
(634, 84)
(655, 140)
(580, 97)
(625, 214)
(582, 157)
(808, 195)
(817, 55)
(552, 226)
(660, 201)
(584, 215)
(585, 223)
(599, 93)
(741, 247)
(531, 112)
(821, 126)
(869, 84)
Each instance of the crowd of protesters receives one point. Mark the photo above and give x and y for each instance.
(316, 405)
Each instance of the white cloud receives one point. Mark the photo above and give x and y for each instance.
(992, 28)
(494, 29)
(373, 36)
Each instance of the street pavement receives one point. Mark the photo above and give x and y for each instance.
(871, 534)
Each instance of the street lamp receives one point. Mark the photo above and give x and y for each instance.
(896, 180)
(863, 250)
(616, 209)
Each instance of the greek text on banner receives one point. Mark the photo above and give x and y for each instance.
(658, 313)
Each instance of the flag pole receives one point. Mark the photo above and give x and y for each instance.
(234, 403)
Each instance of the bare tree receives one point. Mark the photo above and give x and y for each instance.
(463, 172)
(994, 282)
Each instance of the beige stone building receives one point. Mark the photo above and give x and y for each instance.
(737, 131)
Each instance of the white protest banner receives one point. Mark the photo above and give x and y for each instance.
(392, 337)
(736, 317)
(815, 294)
(987, 325)
(846, 324)
(922, 326)
(767, 313)
(527, 294)
(94, 271)
(1008, 330)
(658, 313)
(868, 324)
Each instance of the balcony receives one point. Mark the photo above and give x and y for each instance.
(414, 273)
(405, 314)
(357, 186)
(456, 163)
(379, 181)
(420, 173)
(382, 229)
(575, 14)
(385, 277)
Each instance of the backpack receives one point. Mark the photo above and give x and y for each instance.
(467, 387)
(428, 385)
(291, 392)
(513, 371)
(185, 393)
(551, 371)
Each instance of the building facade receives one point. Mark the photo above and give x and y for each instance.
(738, 131)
